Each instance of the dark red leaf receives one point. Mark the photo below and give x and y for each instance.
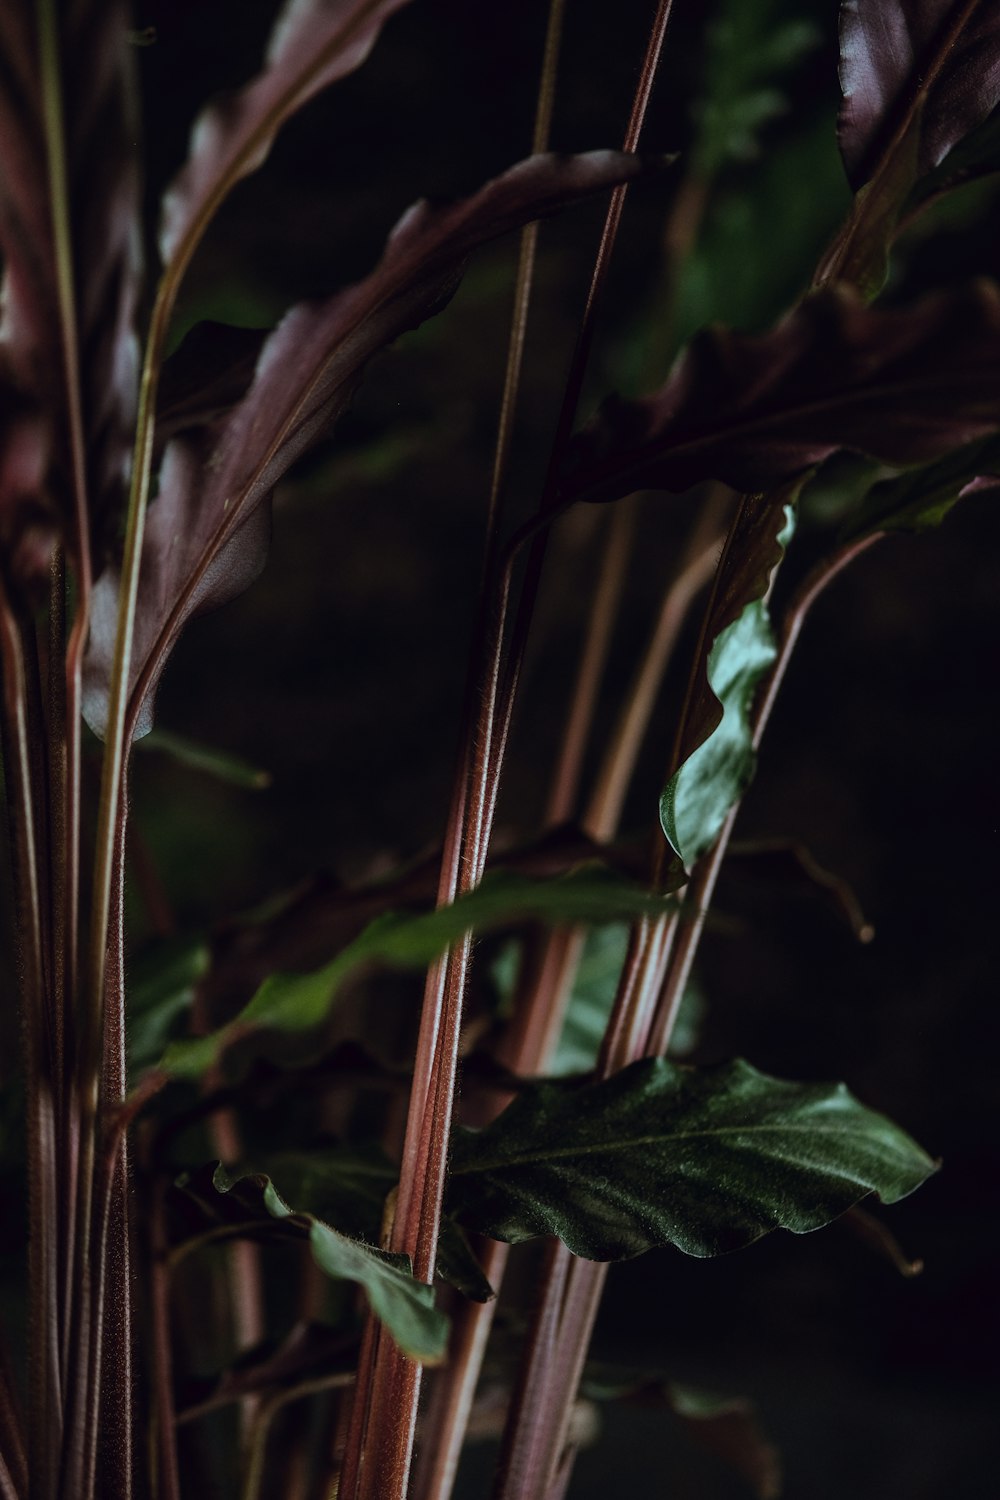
(206, 534)
(928, 65)
(902, 386)
(314, 43)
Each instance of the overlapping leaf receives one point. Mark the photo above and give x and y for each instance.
(920, 499)
(207, 532)
(404, 1305)
(299, 1003)
(903, 386)
(661, 1155)
(315, 43)
(927, 66)
(92, 355)
(917, 77)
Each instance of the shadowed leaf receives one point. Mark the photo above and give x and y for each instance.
(294, 1003)
(920, 499)
(661, 1155)
(405, 1306)
(205, 377)
(902, 386)
(206, 535)
(314, 43)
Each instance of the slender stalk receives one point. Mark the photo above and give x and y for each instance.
(167, 1476)
(620, 533)
(521, 1464)
(45, 1390)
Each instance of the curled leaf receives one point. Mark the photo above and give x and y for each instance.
(404, 1305)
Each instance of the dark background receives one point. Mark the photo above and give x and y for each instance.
(341, 671)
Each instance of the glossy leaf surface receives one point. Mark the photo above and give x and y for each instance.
(405, 1306)
(930, 66)
(754, 410)
(207, 533)
(661, 1155)
(300, 1003)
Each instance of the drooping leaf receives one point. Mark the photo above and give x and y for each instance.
(726, 1426)
(299, 1003)
(86, 352)
(404, 1305)
(206, 536)
(902, 385)
(662, 1155)
(920, 499)
(314, 43)
(917, 76)
(715, 753)
(218, 763)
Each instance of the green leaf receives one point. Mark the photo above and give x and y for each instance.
(590, 895)
(404, 1305)
(218, 763)
(718, 758)
(663, 1155)
(747, 51)
(161, 989)
(697, 798)
(920, 499)
(591, 1000)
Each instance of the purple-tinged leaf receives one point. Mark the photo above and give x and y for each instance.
(903, 386)
(930, 66)
(91, 359)
(206, 534)
(917, 77)
(314, 43)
